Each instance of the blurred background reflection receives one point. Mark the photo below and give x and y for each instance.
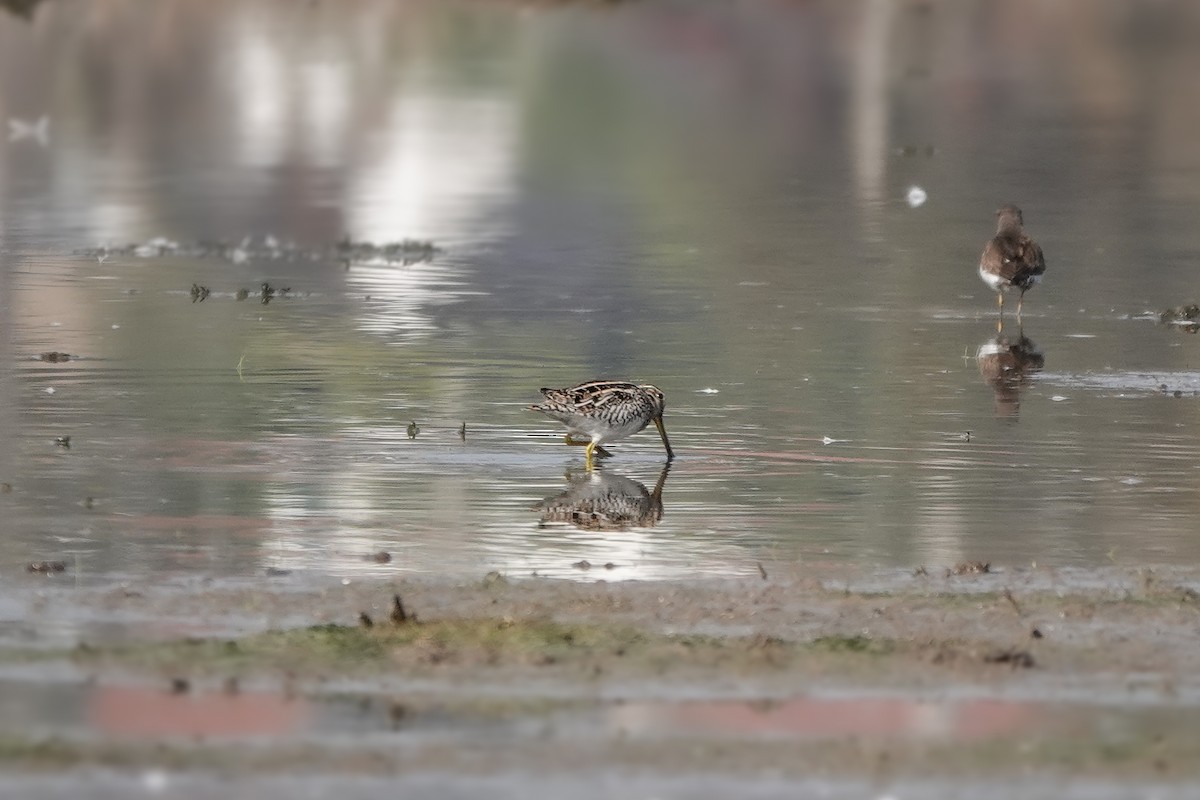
(709, 196)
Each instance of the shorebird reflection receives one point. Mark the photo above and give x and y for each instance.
(599, 500)
(1008, 366)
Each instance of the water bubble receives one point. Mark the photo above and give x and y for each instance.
(916, 197)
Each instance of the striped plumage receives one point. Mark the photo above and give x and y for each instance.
(600, 501)
(605, 411)
(1011, 260)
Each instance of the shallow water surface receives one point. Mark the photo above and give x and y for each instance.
(703, 196)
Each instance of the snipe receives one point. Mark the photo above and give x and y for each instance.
(605, 411)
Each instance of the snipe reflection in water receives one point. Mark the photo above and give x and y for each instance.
(599, 500)
(1008, 366)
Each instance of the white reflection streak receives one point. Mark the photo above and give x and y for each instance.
(326, 88)
(869, 101)
(404, 295)
(636, 554)
(338, 547)
(942, 520)
(260, 93)
(446, 159)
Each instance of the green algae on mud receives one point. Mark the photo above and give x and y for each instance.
(359, 650)
(473, 643)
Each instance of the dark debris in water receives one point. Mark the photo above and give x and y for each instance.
(399, 616)
(911, 150)
(20, 8)
(1185, 318)
(1017, 659)
(344, 250)
(46, 567)
(54, 357)
(265, 293)
(407, 251)
(970, 568)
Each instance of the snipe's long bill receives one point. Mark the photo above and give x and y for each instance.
(605, 411)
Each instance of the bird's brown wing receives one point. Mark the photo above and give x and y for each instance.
(1016, 259)
(1035, 260)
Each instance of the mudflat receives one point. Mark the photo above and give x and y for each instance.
(795, 675)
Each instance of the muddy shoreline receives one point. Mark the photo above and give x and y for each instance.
(746, 678)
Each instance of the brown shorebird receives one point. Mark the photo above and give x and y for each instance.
(1011, 259)
(605, 411)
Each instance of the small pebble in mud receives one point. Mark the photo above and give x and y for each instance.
(63, 441)
(381, 557)
(1015, 658)
(46, 567)
(1036, 633)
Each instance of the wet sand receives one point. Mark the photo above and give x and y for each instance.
(1075, 682)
